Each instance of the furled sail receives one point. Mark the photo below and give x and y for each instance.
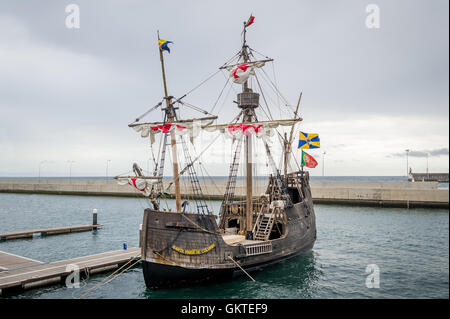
(140, 184)
(179, 127)
(258, 129)
(232, 130)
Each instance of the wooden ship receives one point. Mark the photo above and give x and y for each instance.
(186, 244)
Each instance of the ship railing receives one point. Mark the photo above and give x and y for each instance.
(258, 248)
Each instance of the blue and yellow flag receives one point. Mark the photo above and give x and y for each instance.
(308, 140)
(163, 45)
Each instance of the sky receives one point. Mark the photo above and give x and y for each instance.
(68, 94)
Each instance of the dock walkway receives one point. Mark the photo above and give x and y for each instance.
(10, 261)
(48, 231)
(17, 275)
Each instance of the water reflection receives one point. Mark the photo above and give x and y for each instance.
(294, 278)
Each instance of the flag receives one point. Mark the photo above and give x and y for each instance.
(308, 160)
(249, 21)
(308, 140)
(164, 45)
(140, 185)
(240, 73)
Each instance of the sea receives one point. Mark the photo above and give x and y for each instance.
(405, 250)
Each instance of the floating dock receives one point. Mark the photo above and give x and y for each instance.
(398, 194)
(48, 231)
(20, 273)
(11, 261)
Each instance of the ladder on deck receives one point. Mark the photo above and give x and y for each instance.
(264, 224)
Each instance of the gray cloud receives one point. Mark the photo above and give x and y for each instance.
(69, 94)
(413, 153)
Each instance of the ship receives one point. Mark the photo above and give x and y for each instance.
(190, 243)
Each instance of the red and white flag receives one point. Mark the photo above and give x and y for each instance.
(241, 73)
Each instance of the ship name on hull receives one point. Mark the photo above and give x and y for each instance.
(193, 251)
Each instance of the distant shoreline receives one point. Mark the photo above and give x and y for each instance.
(313, 178)
(343, 178)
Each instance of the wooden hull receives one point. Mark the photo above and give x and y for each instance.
(182, 249)
(165, 276)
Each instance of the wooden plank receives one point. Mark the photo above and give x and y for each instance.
(43, 273)
(48, 231)
(10, 261)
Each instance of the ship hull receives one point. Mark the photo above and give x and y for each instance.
(157, 275)
(180, 249)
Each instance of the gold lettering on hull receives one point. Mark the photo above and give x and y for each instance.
(193, 251)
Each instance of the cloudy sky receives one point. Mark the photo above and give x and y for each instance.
(68, 94)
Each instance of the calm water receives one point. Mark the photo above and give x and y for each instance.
(410, 247)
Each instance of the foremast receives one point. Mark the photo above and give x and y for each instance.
(171, 117)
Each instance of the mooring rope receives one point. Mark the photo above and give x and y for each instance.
(117, 270)
(241, 268)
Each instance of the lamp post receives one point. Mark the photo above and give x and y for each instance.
(70, 168)
(428, 154)
(407, 164)
(107, 163)
(323, 163)
(40, 165)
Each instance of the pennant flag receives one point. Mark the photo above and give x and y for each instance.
(308, 140)
(164, 45)
(308, 160)
(249, 21)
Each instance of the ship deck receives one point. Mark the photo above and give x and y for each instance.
(234, 240)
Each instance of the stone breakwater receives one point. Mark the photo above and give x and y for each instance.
(401, 194)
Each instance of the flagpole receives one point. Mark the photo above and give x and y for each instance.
(170, 112)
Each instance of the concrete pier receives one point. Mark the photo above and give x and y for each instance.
(402, 194)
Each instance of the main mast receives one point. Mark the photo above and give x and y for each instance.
(247, 100)
(171, 116)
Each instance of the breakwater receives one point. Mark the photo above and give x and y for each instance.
(402, 194)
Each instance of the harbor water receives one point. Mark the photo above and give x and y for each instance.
(410, 247)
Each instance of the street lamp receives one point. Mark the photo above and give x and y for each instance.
(428, 154)
(407, 164)
(107, 162)
(70, 168)
(40, 165)
(323, 163)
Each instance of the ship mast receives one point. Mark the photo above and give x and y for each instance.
(171, 117)
(245, 100)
